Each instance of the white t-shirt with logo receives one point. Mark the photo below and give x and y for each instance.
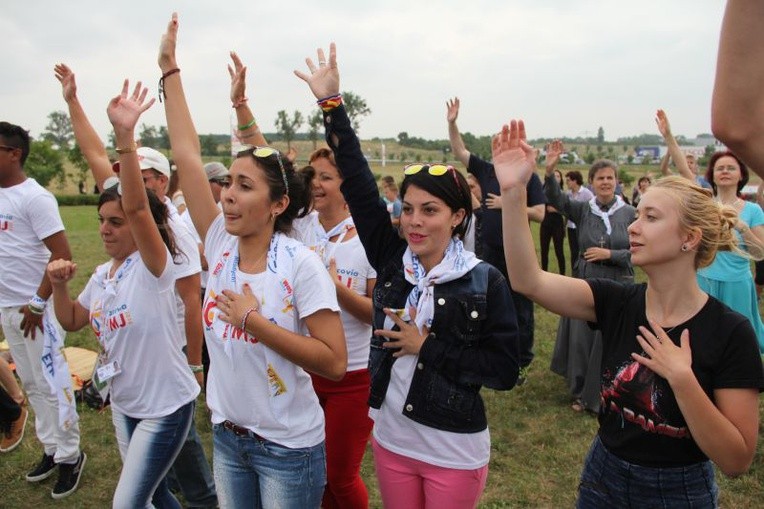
(238, 384)
(132, 315)
(354, 270)
(28, 214)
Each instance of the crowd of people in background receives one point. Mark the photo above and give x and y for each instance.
(322, 312)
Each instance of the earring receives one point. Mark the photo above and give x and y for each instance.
(684, 248)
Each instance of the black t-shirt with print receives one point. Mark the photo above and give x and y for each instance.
(640, 420)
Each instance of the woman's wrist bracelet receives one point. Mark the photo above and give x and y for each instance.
(243, 325)
(239, 102)
(248, 124)
(329, 103)
(127, 150)
(161, 82)
(196, 368)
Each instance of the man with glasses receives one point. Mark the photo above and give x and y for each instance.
(191, 468)
(32, 234)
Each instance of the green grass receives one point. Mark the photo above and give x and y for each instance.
(538, 443)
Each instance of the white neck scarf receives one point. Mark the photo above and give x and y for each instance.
(605, 216)
(456, 262)
(56, 371)
(322, 237)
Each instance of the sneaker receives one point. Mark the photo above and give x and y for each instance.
(13, 437)
(43, 470)
(522, 377)
(68, 477)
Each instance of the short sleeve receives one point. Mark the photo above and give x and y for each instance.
(535, 190)
(740, 363)
(755, 216)
(313, 287)
(215, 241)
(85, 298)
(44, 217)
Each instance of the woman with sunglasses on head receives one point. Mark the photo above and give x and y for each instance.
(270, 316)
(444, 322)
(330, 232)
(130, 303)
(680, 375)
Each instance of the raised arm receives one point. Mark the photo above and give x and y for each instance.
(680, 161)
(184, 141)
(515, 161)
(90, 144)
(69, 313)
(664, 167)
(124, 111)
(737, 108)
(248, 131)
(457, 144)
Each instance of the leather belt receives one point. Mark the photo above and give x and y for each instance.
(241, 431)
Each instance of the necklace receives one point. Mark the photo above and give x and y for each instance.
(684, 319)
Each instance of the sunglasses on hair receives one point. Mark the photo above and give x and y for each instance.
(264, 153)
(436, 170)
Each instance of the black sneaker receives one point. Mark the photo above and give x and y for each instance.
(43, 470)
(68, 477)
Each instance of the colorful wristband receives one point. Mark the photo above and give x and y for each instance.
(329, 103)
(196, 368)
(248, 125)
(243, 325)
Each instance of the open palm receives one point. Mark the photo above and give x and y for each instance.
(513, 159)
(124, 111)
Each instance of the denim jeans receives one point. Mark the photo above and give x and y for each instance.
(191, 474)
(253, 472)
(608, 481)
(148, 447)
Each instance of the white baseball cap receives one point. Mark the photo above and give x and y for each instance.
(150, 159)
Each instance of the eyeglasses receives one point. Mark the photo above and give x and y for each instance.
(436, 170)
(7, 148)
(147, 178)
(264, 153)
(728, 168)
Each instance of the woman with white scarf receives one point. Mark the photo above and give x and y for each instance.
(604, 253)
(270, 316)
(444, 321)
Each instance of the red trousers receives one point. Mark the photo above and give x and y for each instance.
(348, 427)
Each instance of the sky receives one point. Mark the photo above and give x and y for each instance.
(566, 67)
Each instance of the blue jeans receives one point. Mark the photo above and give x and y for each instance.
(253, 472)
(191, 474)
(148, 447)
(608, 481)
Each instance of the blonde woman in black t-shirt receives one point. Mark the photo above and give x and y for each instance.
(681, 373)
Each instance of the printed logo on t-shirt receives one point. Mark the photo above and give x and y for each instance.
(109, 322)
(347, 276)
(221, 263)
(635, 395)
(6, 222)
(223, 329)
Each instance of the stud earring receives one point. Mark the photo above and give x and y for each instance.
(684, 248)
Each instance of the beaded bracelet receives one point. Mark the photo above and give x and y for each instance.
(329, 103)
(247, 125)
(243, 325)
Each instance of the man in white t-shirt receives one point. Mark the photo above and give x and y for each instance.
(32, 234)
(196, 481)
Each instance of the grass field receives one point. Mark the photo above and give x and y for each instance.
(538, 443)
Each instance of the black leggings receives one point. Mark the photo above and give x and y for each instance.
(552, 228)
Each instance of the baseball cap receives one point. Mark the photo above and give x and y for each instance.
(215, 170)
(150, 159)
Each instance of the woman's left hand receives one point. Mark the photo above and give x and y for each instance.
(238, 75)
(166, 59)
(124, 111)
(493, 201)
(233, 305)
(408, 339)
(324, 80)
(662, 355)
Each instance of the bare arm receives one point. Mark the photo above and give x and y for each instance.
(189, 291)
(124, 111)
(183, 137)
(725, 431)
(248, 132)
(8, 381)
(457, 144)
(737, 109)
(664, 167)
(680, 161)
(536, 212)
(69, 313)
(514, 161)
(357, 305)
(90, 144)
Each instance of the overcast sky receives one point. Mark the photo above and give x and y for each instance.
(566, 67)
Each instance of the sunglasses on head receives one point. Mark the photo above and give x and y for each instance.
(264, 153)
(436, 170)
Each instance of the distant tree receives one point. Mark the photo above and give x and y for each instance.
(209, 144)
(625, 148)
(630, 159)
(625, 177)
(59, 130)
(589, 157)
(112, 139)
(647, 159)
(78, 160)
(315, 121)
(356, 108)
(287, 127)
(709, 151)
(148, 135)
(44, 162)
(403, 138)
(601, 135)
(163, 138)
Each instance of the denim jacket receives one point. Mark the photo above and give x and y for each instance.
(473, 340)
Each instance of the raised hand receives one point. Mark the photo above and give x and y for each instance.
(124, 111)
(513, 159)
(61, 271)
(662, 122)
(65, 76)
(553, 152)
(166, 58)
(324, 80)
(452, 109)
(238, 75)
